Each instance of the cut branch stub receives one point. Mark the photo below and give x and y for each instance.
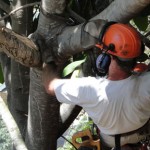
(19, 48)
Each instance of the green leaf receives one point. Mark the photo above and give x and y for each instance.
(71, 67)
(141, 22)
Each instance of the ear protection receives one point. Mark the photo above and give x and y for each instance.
(103, 60)
(102, 63)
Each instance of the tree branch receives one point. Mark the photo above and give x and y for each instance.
(53, 6)
(122, 10)
(20, 48)
(11, 126)
(4, 6)
(21, 7)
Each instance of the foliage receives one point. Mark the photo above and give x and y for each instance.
(5, 141)
(72, 66)
(141, 22)
(82, 122)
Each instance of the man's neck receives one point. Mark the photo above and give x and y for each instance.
(116, 73)
(119, 76)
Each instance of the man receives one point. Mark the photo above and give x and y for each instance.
(119, 103)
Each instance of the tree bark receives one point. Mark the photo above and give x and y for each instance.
(20, 48)
(43, 116)
(20, 74)
(122, 10)
(54, 6)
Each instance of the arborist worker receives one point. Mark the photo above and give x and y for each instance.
(119, 103)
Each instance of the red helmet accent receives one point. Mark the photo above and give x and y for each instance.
(126, 41)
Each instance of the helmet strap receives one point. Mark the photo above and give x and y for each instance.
(104, 30)
(103, 60)
(100, 44)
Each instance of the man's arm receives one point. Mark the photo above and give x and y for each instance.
(49, 77)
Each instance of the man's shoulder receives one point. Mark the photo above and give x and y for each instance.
(145, 74)
(142, 75)
(143, 81)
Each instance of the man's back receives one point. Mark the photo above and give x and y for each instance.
(115, 106)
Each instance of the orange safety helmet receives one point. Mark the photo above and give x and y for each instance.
(122, 41)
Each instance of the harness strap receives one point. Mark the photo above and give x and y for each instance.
(117, 142)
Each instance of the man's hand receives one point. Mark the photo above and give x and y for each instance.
(49, 77)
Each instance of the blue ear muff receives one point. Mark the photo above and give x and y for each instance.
(102, 63)
(103, 60)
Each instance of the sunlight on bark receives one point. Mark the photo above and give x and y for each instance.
(54, 6)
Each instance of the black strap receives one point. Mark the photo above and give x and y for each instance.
(117, 142)
(104, 28)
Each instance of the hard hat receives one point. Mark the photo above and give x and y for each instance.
(122, 41)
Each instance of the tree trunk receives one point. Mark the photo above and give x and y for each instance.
(20, 74)
(43, 116)
(48, 124)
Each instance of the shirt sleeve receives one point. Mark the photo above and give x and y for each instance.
(144, 86)
(78, 91)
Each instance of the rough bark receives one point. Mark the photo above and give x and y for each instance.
(43, 116)
(20, 48)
